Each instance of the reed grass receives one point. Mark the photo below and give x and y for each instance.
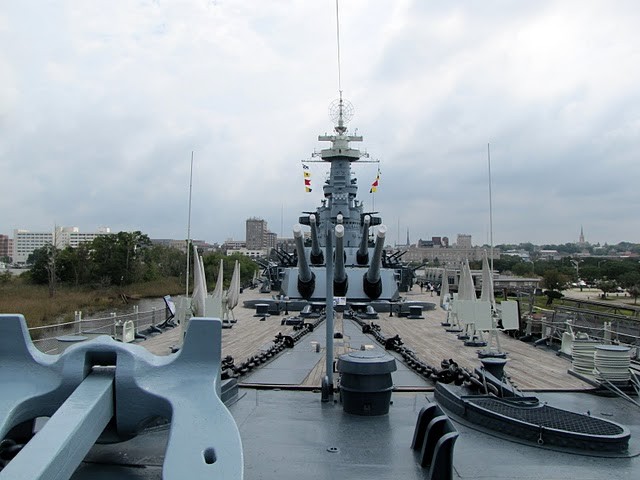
(38, 308)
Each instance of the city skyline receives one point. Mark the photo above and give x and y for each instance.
(450, 239)
(102, 106)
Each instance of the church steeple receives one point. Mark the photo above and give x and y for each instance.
(581, 239)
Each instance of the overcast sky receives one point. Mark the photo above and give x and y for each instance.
(102, 103)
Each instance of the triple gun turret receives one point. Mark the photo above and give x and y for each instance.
(343, 267)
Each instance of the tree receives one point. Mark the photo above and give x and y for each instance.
(631, 282)
(634, 291)
(118, 259)
(553, 281)
(607, 286)
(43, 267)
(522, 269)
(212, 264)
(74, 264)
(589, 273)
(163, 261)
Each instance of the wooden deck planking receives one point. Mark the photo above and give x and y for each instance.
(243, 340)
(340, 346)
(530, 368)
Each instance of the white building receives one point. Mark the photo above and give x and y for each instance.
(25, 242)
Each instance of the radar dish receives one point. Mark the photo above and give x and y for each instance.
(340, 108)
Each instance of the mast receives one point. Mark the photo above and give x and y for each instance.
(490, 209)
(189, 223)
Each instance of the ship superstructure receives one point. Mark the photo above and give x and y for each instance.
(340, 229)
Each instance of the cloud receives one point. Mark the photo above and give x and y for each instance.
(102, 104)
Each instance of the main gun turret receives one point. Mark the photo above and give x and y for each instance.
(306, 278)
(340, 279)
(372, 284)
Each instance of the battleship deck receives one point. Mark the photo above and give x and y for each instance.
(530, 368)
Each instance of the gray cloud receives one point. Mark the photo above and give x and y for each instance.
(102, 104)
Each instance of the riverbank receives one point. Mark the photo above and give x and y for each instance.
(38, 308)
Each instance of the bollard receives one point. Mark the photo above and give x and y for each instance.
(114, 325)
(365, 382)
(77, 318)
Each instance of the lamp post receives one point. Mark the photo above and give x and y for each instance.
(576, 263)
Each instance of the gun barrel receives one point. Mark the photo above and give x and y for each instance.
(304, 272)
(339, 273)
(362, 256)
(316, 257)
(306, 278)
(372, 283)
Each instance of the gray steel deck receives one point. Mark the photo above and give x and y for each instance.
(287, 434)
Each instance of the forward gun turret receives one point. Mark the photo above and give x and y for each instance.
(372, 284)
(362, 256)
(316, 256)
(340, 279)
(306, 278)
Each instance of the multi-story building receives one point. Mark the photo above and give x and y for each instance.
(248, 253)
(271, 240)
(437, 250)
(463, 241)
(25, 242)
(231, 244)
(182, 244)
(255, 233)
(258, 236)
(72, 236)
(6, 246)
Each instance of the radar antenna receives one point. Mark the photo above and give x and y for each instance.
(340, 111)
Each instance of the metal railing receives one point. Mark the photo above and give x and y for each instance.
(48, 338)
(605, 327)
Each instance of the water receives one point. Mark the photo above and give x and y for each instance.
(144, 305)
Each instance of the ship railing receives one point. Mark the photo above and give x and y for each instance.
(603, 328)
(55, 338)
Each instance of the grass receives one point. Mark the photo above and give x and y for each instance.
(38, 308)
(540, 302)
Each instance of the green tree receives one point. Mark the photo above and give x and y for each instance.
(553, 281)
(631, 282)
(162, 261)
(589, 273)
(118, 259)
(212, 264)
(607, 286)
(614, 269)
(634, 291)
(43, 270)
(522, 269)
(74, 264)
(38, 260)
